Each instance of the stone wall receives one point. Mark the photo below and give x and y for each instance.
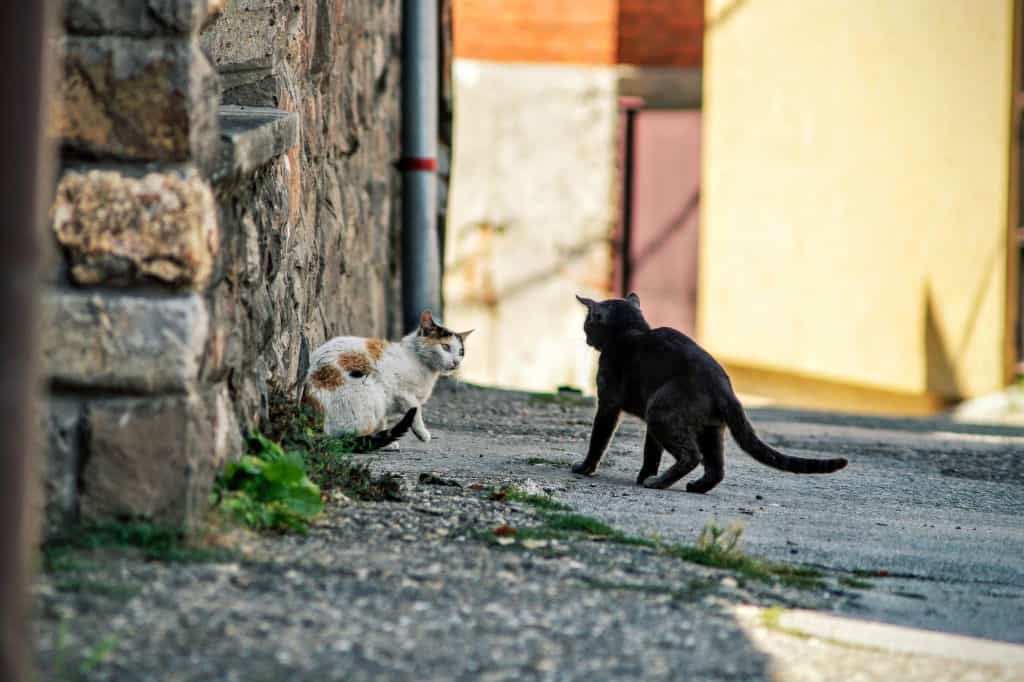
(227, 202)
(312, 236)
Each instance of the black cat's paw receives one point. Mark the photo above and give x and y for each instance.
(583, 469)
(697, 487)
(643, 476)
(651, 482)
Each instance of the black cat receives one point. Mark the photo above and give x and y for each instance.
(679, 390)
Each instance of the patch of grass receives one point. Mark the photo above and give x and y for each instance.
(542, 502)
(716, 547)
(534, 461)
(81, 585)
(72, 558)
(855, 583)
(152, 541)
(719, 547)
(579, 523)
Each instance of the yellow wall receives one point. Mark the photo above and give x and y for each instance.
(856, 174)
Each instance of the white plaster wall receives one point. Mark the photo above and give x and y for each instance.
(532, 212)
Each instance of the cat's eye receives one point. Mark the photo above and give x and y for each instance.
(356, 374)
(446, 347)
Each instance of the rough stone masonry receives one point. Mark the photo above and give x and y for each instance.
(226, 202)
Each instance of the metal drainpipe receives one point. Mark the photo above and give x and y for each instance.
(421, 279)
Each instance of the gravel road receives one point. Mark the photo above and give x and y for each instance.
(927, 514)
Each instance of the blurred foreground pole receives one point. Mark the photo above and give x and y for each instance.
(22, 92)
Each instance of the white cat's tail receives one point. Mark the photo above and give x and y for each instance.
(378, 440)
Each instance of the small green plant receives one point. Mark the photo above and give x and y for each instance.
(855, 583)
(534, 461)
(542, 502)
(328, 459)
(719, 547)
(268, 489)
(714, 539)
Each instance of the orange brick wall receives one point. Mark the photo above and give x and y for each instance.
(550, 31)
(645, 32)
(661, 32)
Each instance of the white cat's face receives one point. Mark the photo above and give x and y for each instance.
(449, 352)
(442, 348)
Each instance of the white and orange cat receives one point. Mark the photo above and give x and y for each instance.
(360, 384)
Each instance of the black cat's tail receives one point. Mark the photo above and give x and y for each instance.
(376, 441)
(743, 432)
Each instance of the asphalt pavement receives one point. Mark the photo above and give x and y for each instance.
(929, 513)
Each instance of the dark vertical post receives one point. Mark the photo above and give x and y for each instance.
(22, 94)
(421, 276)
(629, 107)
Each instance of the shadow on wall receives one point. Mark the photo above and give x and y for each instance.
(666, 233)
(946, 357)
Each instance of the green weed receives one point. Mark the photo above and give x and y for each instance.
(268, 489)
(719, 547)
(328, 459)
(534, 461)
(541, 502)
(855, 583)
(716, 548)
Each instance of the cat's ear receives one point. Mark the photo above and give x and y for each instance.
(462, 335)
(633, 298)
(589, 302)
(426, 322)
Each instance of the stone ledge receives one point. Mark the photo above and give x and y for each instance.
(251, 137)
(124, 343)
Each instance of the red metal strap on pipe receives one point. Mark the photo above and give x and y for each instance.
(416, 163)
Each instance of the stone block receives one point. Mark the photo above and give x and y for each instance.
(144, 100)
(125, 343)
(118, 229)
(156, 458)
(140, 18)
(62, 428)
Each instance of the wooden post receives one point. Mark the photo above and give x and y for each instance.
(24, 185)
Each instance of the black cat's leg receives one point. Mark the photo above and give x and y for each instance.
(652, 458)
(711, 443)
(683, 446)
(605, 422)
